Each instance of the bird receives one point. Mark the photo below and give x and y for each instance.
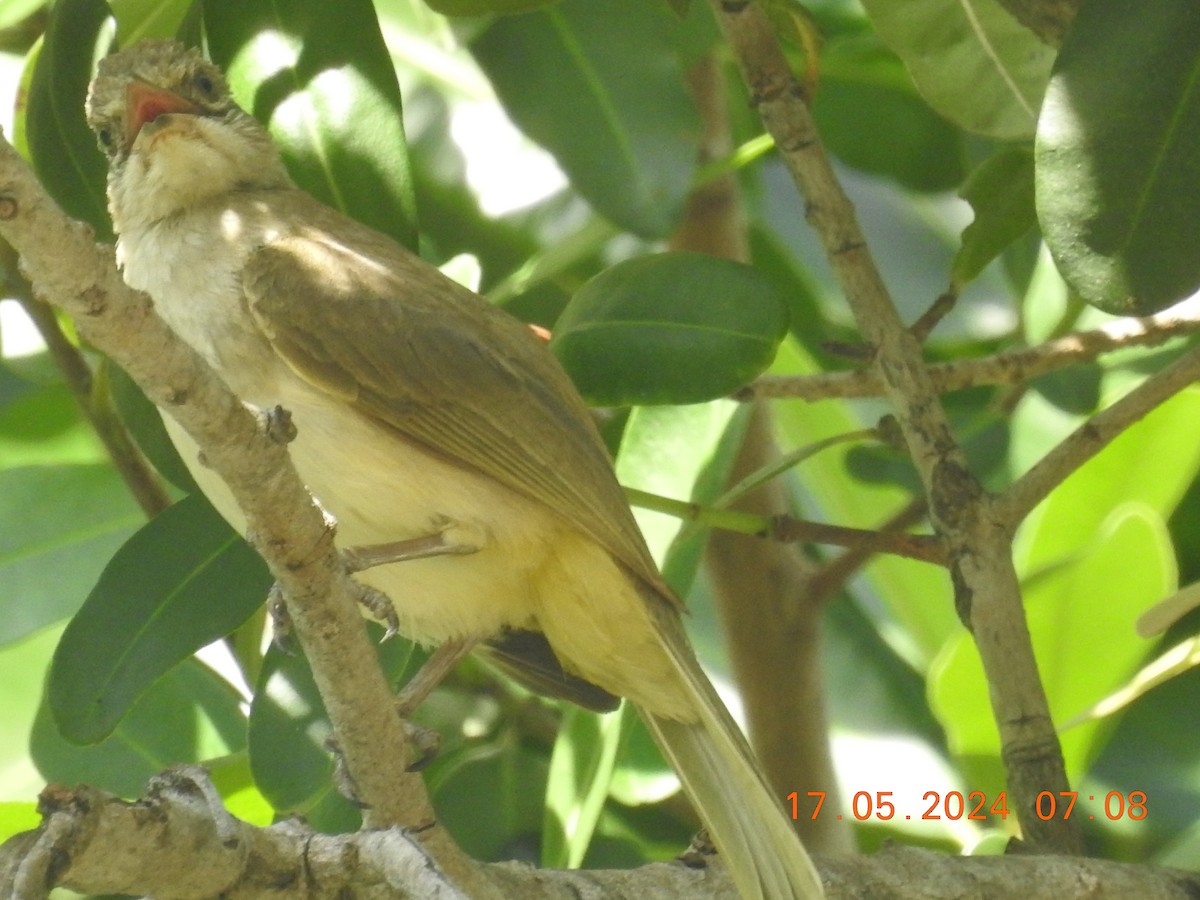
(424, 416)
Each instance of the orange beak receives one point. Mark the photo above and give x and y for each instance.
(144, 103)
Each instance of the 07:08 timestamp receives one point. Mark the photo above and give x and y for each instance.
(975, 806)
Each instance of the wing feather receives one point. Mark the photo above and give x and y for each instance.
(389, 334)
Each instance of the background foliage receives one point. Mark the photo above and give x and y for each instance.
(557, 147)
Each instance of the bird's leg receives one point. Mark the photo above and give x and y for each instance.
(358, 559)
(438, 543)
(430, 675)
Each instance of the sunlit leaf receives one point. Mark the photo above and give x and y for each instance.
(140, 19)
(12, 12)
(669, 328)
(1118, 155)
(184, 580)
(971, 60)
(581, 768)
(320, 75)
(599, 84)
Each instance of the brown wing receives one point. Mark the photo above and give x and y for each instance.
(389, 334)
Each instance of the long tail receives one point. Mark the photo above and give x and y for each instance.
(744, 818)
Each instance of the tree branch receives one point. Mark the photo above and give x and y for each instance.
(1093, 436)
(178, 843)
(283, 522)
(1007, 367)
(986, 589)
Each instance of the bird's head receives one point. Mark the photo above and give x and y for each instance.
(173, 136)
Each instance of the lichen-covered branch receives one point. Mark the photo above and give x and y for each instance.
(178, 843)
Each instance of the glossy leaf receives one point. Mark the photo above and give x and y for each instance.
(320, 75)
(50, 560)
(1118, 155)
(599, 84)
(187, 716)
(1000, 192)
(872, 118)
(62, 148)
(971, 60)
(669, 328)
(184, 580)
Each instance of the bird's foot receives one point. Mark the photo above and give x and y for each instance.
(446, 538)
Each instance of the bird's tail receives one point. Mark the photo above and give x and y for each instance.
(744, 818)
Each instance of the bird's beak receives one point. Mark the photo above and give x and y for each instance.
(144, 103)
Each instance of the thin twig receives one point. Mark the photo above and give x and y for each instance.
(786, 529)
(834, 574)
(1006, 367)
(1093, 436)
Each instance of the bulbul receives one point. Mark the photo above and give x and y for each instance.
(422, 412)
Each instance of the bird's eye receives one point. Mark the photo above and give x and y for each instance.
(205, 84)
(105, 137)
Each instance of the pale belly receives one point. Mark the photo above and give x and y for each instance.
(381, 489)
(532, 570)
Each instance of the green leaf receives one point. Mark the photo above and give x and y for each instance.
(665, 450)
(141, 19)
(17, 817)
(289, 727)
(43, 426)
(486, 7)
(59, 525)
(145, 423)
(599, 84)
(872, 118)
(320, 75)
(62, 148)
(971, 60)
(1073, 610)
(1118, 155)
(187, 716)
(184, 580)
(1000, 192)
(581, 768)
(669, 328)
(13, 12)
